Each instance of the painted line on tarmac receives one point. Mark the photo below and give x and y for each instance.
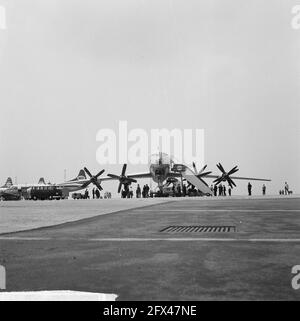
(190, 239)
(138, 239)
(215, 210)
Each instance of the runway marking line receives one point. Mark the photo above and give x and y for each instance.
(137, 239)
(215, 210)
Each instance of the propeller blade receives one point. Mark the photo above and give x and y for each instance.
(86, 184)
(98, 185)
(124, 170)
(100, 173)
(217, 180)
(195, 168)
(93, 179)
(119, 188)
(235, 169)
(203, 169)
(221, 168)
(233, 172)
(231, 182)
(123, 179)
(88, 172)
(204, 174)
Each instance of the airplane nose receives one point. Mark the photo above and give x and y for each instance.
(158, 172)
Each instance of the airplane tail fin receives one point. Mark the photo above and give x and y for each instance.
(42, 181)
(81, 175)
(8, 183)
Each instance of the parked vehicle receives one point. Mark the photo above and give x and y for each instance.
(77, 196)
(45, 192)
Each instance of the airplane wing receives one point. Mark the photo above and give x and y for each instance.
(135, 175)
(251, 178)
(242, 178)
(200, 184)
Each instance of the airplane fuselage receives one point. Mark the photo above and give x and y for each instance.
(159, 173)
(73, 186)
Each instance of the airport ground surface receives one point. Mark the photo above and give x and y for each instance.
(126, 253)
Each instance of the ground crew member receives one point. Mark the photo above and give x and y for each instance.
(286, 188)
(224, 190)
(264, 189)
(215, 190)
(220, 190)
(249, 189)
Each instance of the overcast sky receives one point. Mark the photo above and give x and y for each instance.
(69, 68)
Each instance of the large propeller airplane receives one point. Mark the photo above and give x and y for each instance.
(162, 170)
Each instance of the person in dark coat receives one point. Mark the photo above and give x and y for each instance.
(215, 189)
(286, 188)
(147, 190)
(224, 190)
(264, 189)
(179, 190)
(220, 190)
(249, 189)
(229, 190)
(127, 191)
(130, 192)
(97, 193)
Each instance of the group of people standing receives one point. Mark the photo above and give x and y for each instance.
(96, 193)
(220, 190)
(144, 193)
(127, 191)
(286, 190)
(178, 190)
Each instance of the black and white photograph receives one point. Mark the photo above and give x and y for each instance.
(149, 152)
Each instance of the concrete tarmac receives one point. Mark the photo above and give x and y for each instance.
(132, 254)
